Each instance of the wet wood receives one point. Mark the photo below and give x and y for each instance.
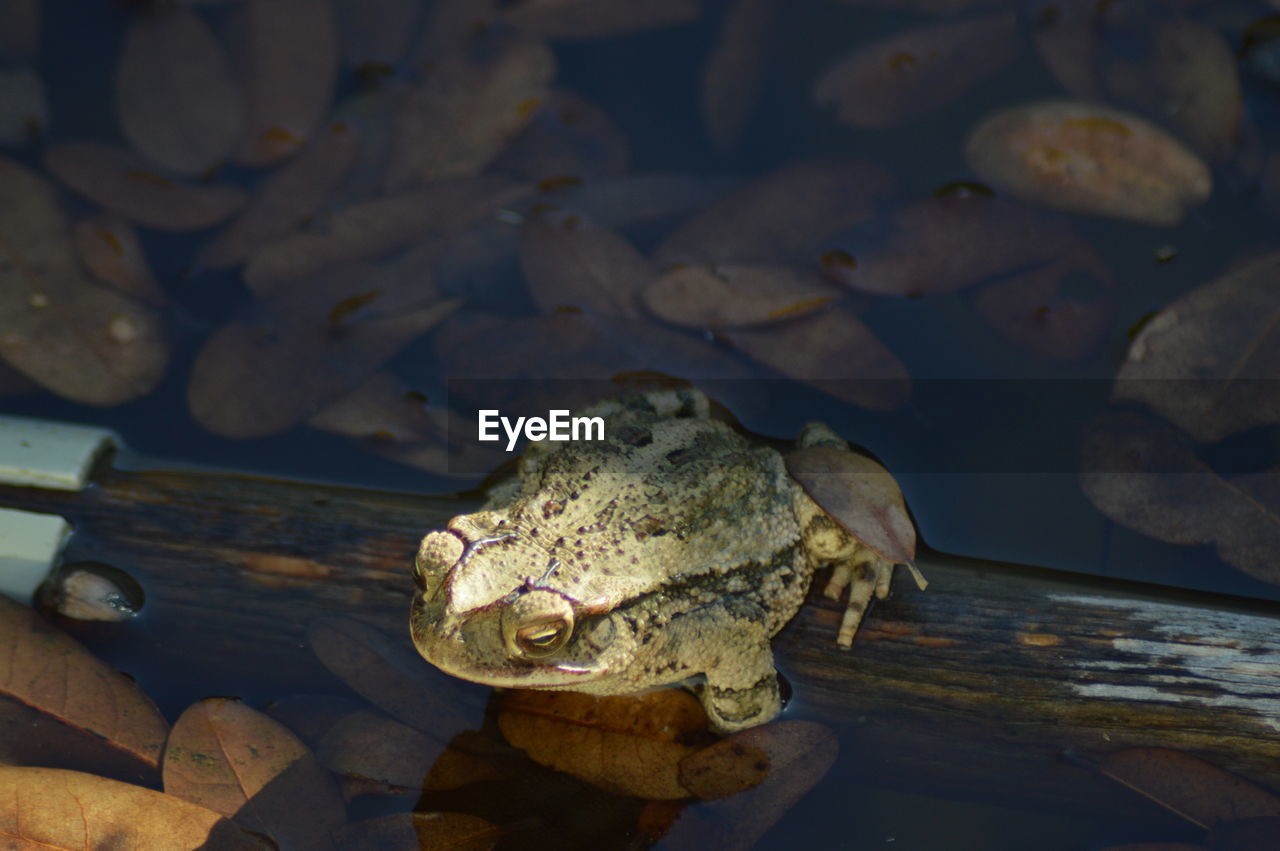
(998, 674)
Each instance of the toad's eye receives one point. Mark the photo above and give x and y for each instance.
(536, 624)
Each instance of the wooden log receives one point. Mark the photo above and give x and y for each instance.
(997, 674)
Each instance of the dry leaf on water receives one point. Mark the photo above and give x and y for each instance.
(288, 196)
(419, 832)
(570, 261)
(115, 179)
(48, 808)
(239, 762)
(108, 247)
(568, 137)
(1208, 362)
(177, 101)
(631, 745)
(1144, 474)
(587, 19)
(79, 339)
(49, 671)
(917, 71)
(727, 296)
(1089, 158)
(735, 69)
(1198, 791)
(373, 746)
(287, 54)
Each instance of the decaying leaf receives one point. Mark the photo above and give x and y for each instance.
(393, 677)
(735, 69)
(373, 746)
(239, 762)
(315, 340)
(585, 19)
(569, 137)
(288, 197)
(109, 248)
(53, 809)
(468, 107)
(628, 744)
(570, 261)
(1197, 790)
(1144, 474)
(46, 669)
(419, 832)
(781, 217)
(287, 54)
(79, 339)
(1208, 362)
(1089, 158)
(711, 296)
(833, 351)
(177, 101)
(917, 71)
(113, 178)
(24, 107)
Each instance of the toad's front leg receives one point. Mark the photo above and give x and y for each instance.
(741, 688)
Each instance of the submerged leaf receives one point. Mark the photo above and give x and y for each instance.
(1197, 790)
(710, 296)
(419, 832)
(377, 32)
(586, 19)
(1089, 158)
(735, 69)
(24, 107)
(370, 745)
(568, 138)
(109, 248)
(570, 261)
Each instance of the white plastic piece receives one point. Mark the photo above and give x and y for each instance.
(49, 455)
(29, 545)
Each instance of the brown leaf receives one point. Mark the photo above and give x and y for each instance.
(50, 809)
(177, 101)
(46, 669)
(287, 52)
(860, 495)
(237, 761)
(377, 32)
(1198, 791)
(310, 716)
(392, 676)
(569, 137)
(371, 745)
(570, 261)
(711, 296)
(419, 832)
(109, 248)
(735, 69)
(631, 745)
(942, 244)
(1144, 474)
(917, 71)
(114, 179)
(1089, 158)
(1208, 361)
(299, 351)
(468, 107)
(781, 217)
(287, 197)
(1066, 35)
(833, 351)
(588, 19)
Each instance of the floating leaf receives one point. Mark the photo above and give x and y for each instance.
(309, 344)
(109, 248)
(1089, 158)
(917, 71)
(391, 675)
(709, 296)
(288, 59)
(49, 671)
(1208, 361)
(376, 32)
(570, 261)
(177, 101)
(237, 761)
(288, 196)
(735, 69)
(468, 108)
(1144, 474)
(370, 745)
(114, 179)
(80, 340)
(781, 217)
(419, 832)
(631, 745)
(51, 809)
(1198, 791)
(568, 138)
(587, 19)
(24, 107)
(833, 351)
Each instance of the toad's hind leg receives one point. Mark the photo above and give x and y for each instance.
(864, 577)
